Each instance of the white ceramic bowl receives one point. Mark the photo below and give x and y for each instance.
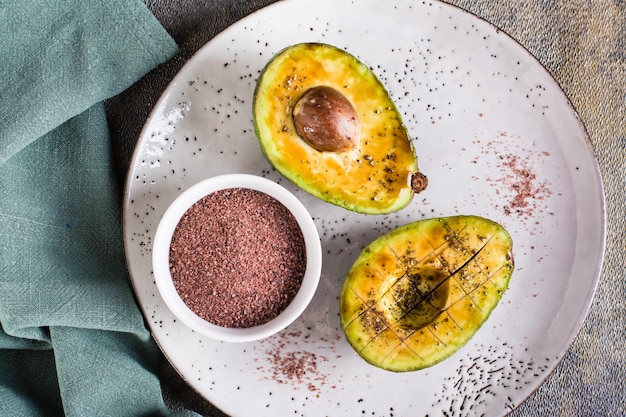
(163, 237)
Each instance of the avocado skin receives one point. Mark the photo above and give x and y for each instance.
(418, 294)
(375, 176)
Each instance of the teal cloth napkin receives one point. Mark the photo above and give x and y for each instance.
(72, 339)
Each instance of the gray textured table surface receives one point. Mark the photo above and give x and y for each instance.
(581, 43)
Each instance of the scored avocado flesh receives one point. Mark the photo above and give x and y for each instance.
(418, 294)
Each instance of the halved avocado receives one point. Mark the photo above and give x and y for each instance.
(416, 295)
(325, 121)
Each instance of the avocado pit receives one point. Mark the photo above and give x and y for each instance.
(326, 120)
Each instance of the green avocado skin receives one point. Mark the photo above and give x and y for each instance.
(419, 293)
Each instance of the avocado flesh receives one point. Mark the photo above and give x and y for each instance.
(372, 178)
(416, 295)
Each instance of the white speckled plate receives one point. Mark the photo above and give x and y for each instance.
(497, 138)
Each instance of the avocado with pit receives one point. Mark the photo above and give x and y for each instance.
(417, 294)
(325, 121)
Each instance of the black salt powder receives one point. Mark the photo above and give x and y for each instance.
(237, 257)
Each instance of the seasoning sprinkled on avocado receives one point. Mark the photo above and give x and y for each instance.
(418, 294)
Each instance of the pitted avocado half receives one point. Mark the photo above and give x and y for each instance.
(327, 124)
(416, 295)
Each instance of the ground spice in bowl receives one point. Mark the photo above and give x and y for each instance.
(237, 257)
